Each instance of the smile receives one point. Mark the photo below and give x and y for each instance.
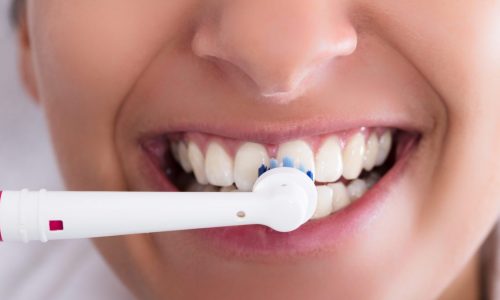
(343, 165)
(351, 169)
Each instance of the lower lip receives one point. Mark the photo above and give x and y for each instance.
(312, 238)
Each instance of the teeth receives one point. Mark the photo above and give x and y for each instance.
(174, 148)
(384, 148)
(371, 152)
(340, 197)
(353, 157)
(325, 200)
(300, 152)
(372, 179)
(249, 158)
(197, 162)
(328, 162)
(356, 189)
(218, 165)
(216, 170)
(183, 158)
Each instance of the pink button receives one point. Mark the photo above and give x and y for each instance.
(55, 225)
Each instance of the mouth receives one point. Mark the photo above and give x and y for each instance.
(352, 171)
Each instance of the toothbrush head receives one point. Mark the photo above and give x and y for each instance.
(292, 197)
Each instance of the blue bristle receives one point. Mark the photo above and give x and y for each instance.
(262, 169)
(287, 162)
(302, 168)
(273, 163)
(310, 174)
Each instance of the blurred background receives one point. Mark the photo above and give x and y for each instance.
(55, 270)
(26, 158)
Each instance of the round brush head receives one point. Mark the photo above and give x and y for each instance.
(292, 197)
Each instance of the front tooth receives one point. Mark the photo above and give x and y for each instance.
(299, 152)
(325, 198)
(329, 161)
(249, 158)
(356, 189)
(371, 152)
(182, 153)
(197, 162)
(353, 156)
(385, 145)
(340, 197)
(218, 165)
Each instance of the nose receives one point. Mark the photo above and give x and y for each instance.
(277, 45)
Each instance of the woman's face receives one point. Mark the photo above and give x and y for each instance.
(126, 85)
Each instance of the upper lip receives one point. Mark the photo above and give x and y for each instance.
(275, 132)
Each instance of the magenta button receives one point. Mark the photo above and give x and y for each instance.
(55, 225)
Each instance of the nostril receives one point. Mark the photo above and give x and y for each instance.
(279, 56)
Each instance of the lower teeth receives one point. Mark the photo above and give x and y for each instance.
(343, 175)
(332, 197)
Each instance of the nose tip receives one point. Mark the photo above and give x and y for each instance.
(278, 49)
(289, 74)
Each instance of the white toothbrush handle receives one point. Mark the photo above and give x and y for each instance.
(43, 216)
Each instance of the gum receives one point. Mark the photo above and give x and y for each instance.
(232, 145)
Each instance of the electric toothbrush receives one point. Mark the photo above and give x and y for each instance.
(282, 198)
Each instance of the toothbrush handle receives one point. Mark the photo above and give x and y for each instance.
(44, 216)
(282, 198)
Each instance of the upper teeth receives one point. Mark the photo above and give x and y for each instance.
(183, 158)
(328, 164)
(372, 149)
(353, 156)
(385, 144)
(299, 153)
(333, 159)
(249, 158)
(218, 166)
(197, 162)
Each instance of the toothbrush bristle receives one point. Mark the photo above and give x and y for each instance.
(262, 169)
(287, 162)
(273, 163)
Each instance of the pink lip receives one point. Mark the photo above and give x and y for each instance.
(313, 237)
(277, 131)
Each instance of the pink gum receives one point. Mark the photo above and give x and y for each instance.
(231, 145)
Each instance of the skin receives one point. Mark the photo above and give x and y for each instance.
(106, 72)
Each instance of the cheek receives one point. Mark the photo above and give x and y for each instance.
(468, 79)
(463, 63)
(459, 54)
(86, 63)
